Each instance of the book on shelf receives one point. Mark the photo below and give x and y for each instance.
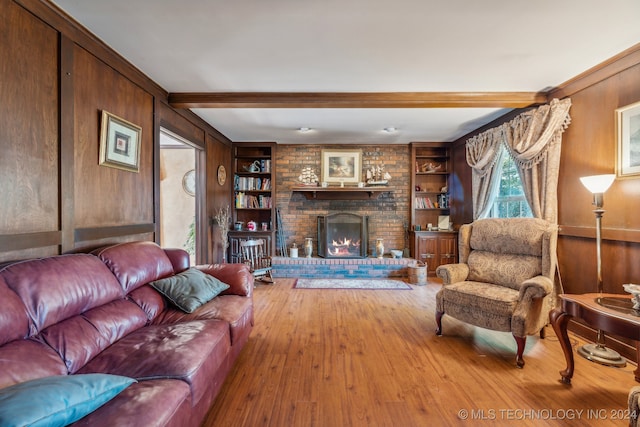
(442, 202)
(424, 203)
(250, 183)
(249, 201)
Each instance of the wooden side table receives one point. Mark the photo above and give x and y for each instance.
(611, 313)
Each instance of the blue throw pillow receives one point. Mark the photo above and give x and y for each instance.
(58, 400)
(190, 289)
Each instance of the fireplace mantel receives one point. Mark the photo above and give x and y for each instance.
(342, 193)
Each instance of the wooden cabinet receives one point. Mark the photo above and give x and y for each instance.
(254, 191)
(434, 248)
(430, 165)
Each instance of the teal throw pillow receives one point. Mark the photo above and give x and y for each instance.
(58, 400)
(190, 289)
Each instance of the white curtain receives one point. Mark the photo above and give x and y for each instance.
(533, 139)
(485, 158)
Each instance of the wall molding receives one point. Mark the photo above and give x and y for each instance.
(17, 242)
(97, 233)
(607, 69)
(617, 234)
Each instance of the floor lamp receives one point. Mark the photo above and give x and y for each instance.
(598, 184)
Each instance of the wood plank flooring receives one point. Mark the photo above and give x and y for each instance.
(371, 358)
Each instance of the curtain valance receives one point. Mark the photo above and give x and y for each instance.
(533, 140)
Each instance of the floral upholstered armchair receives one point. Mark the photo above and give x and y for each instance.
(634, 406)
(504, 280)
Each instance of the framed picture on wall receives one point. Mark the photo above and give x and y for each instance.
(628, 133)
(341, 166)
(119, 143)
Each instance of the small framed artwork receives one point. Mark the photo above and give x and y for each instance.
(119, 143)
(628, 133)
(341, 166)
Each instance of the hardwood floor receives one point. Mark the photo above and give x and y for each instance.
(371, 358)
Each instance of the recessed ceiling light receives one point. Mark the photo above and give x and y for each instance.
(304, 129)
(390, 129)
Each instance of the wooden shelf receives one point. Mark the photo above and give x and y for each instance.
(426, 193)
(246, 154)
(342, 193)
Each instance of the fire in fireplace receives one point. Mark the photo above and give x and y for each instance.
(342, 235)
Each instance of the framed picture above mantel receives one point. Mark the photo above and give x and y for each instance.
(341, 166)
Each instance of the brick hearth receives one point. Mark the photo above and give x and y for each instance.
(316, 267)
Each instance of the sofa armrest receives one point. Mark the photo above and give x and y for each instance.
(452, 273)
(237, 276)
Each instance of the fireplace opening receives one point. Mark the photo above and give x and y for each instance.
(342, 235)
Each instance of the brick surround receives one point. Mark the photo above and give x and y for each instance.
(388, 215)
(340, 267)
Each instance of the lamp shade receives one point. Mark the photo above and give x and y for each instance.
(598, 183)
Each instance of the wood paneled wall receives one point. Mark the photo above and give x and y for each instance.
(56, 79)
(589, 147)
(460, 182)
(218, 196)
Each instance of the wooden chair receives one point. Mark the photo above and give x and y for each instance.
(252, 252)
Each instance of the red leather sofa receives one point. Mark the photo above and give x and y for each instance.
(96, 313)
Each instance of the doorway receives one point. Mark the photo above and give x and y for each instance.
(178, 193)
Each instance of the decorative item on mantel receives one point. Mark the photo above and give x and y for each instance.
(308, 177)
(378, 176)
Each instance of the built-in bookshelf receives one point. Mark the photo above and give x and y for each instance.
(429, 183)
(253, 195)
(431, 239)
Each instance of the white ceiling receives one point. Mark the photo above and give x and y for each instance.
(359, 46)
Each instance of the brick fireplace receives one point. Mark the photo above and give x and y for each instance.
(387, 213)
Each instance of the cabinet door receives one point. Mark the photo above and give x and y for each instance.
(448, 246)
(426, 251)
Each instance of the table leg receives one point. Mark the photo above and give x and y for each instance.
(559, 321)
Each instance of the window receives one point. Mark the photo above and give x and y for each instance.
(510, 201)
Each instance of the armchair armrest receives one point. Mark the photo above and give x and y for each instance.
(529, 317)
(237, 276)
(536, 287)
(634, 405)
(452, 273)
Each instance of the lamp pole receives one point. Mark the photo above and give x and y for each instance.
(598, 211)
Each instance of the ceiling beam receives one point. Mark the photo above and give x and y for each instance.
(356, 99)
